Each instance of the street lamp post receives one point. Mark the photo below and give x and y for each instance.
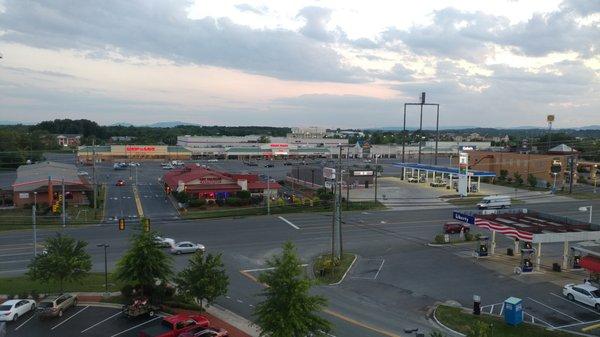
(585, 209)
(105, 245)
(34, 222)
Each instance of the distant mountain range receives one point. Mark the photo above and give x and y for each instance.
(170, 124)
(466, 127)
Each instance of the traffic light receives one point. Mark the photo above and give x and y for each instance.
(121, 224)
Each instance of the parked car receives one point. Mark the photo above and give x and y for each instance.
(134, 164)
(120, 182)
(174, 326)
(205, 332)
(583, 293)
(164, 242)
(214, 160)
(186, 247)
(494, 201)
(287, 163)
(11, 310)
(168, 167)
(454, 227)
(55, 306)
(269, 165)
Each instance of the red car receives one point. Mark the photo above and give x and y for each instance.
(120, 182)
(456, 227)
(174, 326)
(205, 332)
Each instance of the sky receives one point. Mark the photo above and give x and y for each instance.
(331, 63)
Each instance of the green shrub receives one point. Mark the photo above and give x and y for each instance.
(243, 194)
(197, 202)
(439, 239)
(469, 236)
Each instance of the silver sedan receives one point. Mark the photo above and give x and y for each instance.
(186, 247)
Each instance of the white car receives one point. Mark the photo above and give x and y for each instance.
(213, 160)
(164, 242)
(168, 167)
(11, 310)
(186, 247)
(584, 293)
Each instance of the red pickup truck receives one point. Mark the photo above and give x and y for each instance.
(173, 326)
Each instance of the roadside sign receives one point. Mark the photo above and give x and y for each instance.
(463, 217)
(328, 173)
(362, 173)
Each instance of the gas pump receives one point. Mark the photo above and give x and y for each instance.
(483, 246)
(526, 245)
(526, 260)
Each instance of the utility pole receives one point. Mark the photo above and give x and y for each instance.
(437, 127)
(348, 178)
(376, 157)
(105, 246)
(94, 174)
(64, 210)
(571, 175)
(421, 129)
(34, 222)
(269, 192)
(338, 207)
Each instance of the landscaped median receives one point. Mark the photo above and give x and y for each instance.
(221, 212)
(468, 324)
(328, 272)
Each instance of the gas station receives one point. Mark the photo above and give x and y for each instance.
(530, 229)
(442, 172)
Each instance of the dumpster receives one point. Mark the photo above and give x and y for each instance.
(513, 311)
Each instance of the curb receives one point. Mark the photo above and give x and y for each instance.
(234, 319)
(346, 273)
(444, 326)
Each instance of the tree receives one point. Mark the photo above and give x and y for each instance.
(64, 259)
(532, 180)
(288, 309)
(144, 262)
(518, 178)
(503, 175)
(203, 279)
(264, 139)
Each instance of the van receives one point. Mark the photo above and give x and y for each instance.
(494, 201)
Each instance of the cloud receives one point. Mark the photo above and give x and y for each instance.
(398, 73)
(162, 29)
(316, 23)
(251, 9)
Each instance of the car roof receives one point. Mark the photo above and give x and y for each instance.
(587, 287)
(11, 302)
(184, 242)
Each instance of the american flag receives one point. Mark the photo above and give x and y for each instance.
(508, 231)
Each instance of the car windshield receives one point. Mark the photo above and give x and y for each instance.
(46, 305)
(595, 293)
(5, 307)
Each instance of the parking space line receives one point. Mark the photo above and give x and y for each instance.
(29, 319)
(66, 320)
(560, 312)
(575, 303)
(102, 321)
(576, 324)
(378, 270)
(137, 326)
(533, 319)
(502, 309)
(288, 222)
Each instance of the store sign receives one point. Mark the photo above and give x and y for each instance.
(468, 148)
(463, 217)
(463, 168)
(328, 173)
(140, 148)
(277, 145)
(362, 173)
(23, 195)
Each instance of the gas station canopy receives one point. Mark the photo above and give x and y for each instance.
(443, 169)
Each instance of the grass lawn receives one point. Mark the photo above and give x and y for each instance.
(248, 211)
(459, 320)
(328, 276)
(22, 284)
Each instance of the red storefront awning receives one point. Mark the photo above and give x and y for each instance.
(590, 263)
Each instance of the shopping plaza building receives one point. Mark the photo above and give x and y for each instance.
(112, 153)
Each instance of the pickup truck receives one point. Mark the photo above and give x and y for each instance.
(173, 326)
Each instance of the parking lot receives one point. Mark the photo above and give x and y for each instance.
(82, 320)
(553, 311)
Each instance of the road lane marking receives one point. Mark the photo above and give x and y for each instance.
(288, 222)
(561, 327)
(360, 324)
(18, 254)
(577, 304)
(66, 320)
(137, 326)
(102, 321)
(591, 327)
(138, 202)
(12, 271)
(29, 319)
(15, 261)
(560, 312)
(378, 270)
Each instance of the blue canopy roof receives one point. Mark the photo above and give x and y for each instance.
(443, 169)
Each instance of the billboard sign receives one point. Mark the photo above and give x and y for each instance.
(463, 171)
(136, 148)
(362, 173)
(328, 173)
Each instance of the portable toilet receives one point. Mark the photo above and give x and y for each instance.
(513, 311)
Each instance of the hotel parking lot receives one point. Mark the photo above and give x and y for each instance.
(82, 320)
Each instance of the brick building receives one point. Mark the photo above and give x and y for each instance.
(524, 163)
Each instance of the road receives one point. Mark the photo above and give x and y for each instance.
(410, 275)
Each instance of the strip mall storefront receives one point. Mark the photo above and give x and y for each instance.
(85, 154)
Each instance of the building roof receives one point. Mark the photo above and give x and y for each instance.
(34, 176)
(70, 135)
(562, 148)
(90, 149)
(443, 169)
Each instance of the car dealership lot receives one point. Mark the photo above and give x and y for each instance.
(83, 320)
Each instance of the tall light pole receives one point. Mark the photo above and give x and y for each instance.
(105, 245)
(437, 127)
(34, 222)
(585, 209)
(268, 191)
(64, 210)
